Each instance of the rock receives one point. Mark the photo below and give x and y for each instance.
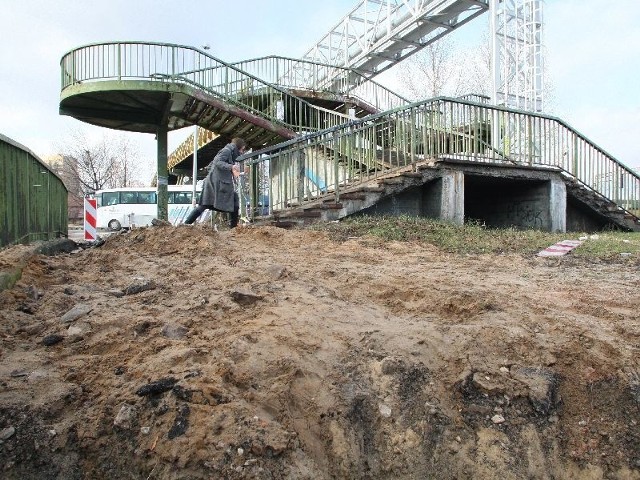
(542, 388)
(145, 430)
(54, 247)
(504, 370)
(7, 433)
(485, 384)
(385, 410)
(52, 339)
(125, 417)
(115, 292)
(79, 328)
(138, 286)
(276, 271)
(497, 419)
(159, 386)
(76, 312)
(181, 422)
(174, 331)
(244, 297)
(160, 223)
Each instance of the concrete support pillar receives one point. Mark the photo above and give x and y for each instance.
(163, 174)
(558, 205)
(452, 200)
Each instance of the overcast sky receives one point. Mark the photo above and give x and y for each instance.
(593, 58)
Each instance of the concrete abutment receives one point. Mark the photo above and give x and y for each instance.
(498, 197)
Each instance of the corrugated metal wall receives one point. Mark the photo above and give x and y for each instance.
(33, 199)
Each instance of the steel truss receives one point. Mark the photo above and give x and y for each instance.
(377, 34)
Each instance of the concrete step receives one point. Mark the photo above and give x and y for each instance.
(326, 206)
(353, 196)
(311, 213)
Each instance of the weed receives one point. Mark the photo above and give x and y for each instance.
(475, 238)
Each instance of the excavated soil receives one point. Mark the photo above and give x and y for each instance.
(180, 352)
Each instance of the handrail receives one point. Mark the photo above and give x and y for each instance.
(305, 74)
(162, 62)
(302, 169)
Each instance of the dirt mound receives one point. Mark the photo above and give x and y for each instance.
(179, 352)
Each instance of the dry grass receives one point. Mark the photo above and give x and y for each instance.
(474, 238)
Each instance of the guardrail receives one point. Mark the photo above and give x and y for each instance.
(162, 62)
(305, 74)
(301, 170)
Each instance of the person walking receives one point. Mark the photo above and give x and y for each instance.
(218, 192)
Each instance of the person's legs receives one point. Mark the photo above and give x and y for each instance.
(195, 213)
(235, 215)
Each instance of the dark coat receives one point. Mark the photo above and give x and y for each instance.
(217, 189)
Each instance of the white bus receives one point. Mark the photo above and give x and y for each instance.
(135, 207)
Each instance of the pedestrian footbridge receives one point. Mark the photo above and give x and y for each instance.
(326, 153)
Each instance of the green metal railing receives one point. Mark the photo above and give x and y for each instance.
(164, 62)
(301, 170)
(303, 74)
(33, 199)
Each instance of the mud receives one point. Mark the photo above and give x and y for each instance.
(263, 353)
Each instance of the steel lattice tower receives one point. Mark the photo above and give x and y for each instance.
(517, 61)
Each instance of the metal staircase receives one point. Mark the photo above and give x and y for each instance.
(297, 78)
(139, 86)
(330, 174)
(327, 152)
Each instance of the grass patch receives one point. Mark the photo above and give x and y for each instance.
(609, 245)
(474, 238)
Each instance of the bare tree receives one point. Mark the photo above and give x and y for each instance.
(430, 72)
(443, 68)
(475, 75)
(108, 163)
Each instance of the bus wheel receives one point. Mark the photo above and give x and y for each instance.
(114, 225)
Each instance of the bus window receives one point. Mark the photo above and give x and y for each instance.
(146, 197)
(108, 198)
(182, 198)
(128, 197)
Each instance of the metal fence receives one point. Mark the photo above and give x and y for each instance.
(304, 74)
(163, 62)
(33, 199)
(301, 170)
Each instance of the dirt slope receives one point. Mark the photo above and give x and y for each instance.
(273, 354)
